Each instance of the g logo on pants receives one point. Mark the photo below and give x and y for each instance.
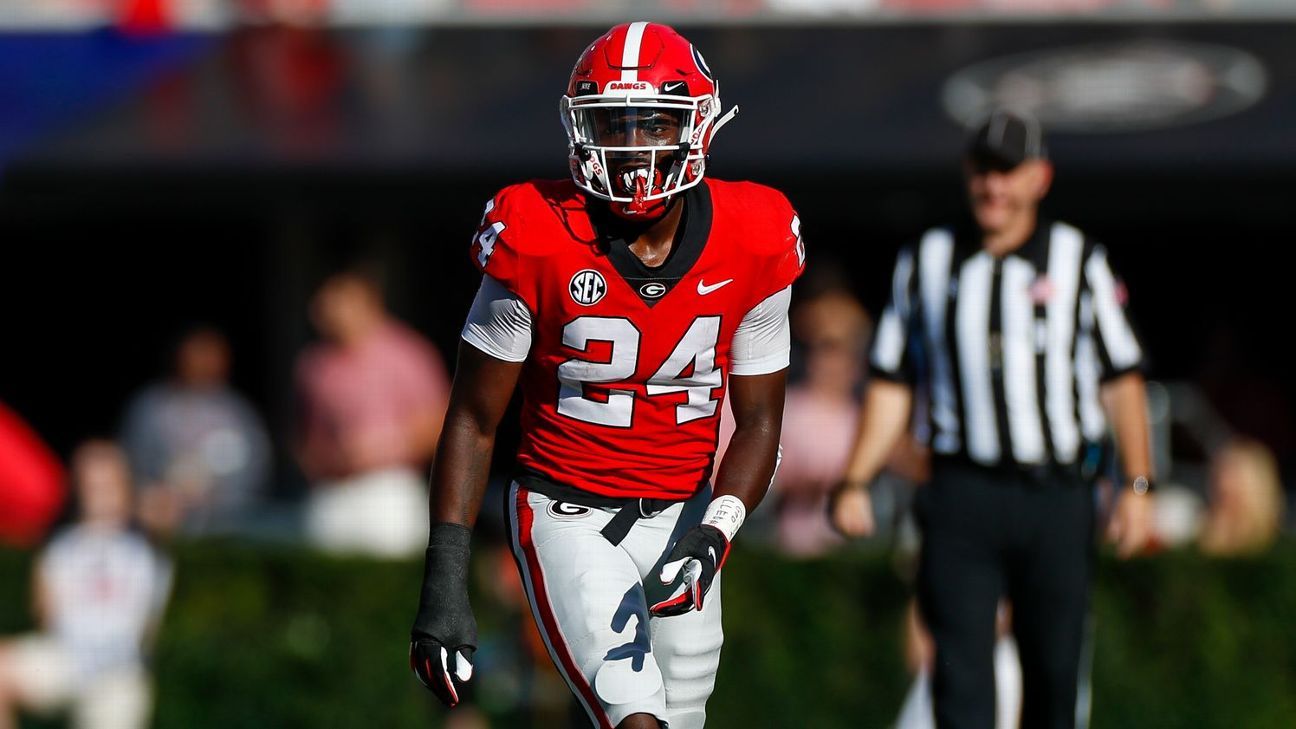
(564, 510)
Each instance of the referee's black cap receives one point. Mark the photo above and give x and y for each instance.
(1006, 139)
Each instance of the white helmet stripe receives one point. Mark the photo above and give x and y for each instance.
(630, 54)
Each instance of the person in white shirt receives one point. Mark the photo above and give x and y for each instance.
(99, 590)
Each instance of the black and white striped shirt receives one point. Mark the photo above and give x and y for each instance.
(1011, 351)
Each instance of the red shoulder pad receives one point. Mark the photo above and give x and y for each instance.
(509, 234)
(526, 222)
(772, 235)
(490, 250)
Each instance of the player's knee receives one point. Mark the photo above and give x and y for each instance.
(629, 686)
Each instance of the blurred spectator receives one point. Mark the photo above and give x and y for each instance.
(292, 79)
(819, 423)
(1178, 517)
(31, 483)
(198, 448)
(145, 17)
(819, 419)
(1246, 500)
(373, 396)
(1246, 389)
(1225, 491)
(99, 591)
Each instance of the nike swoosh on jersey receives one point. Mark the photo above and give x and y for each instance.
(704, 289)
(672, 87)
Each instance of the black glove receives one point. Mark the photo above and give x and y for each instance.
(445, 634)
(699, 555)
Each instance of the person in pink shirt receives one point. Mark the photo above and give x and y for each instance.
(373, 395)
(819, 419)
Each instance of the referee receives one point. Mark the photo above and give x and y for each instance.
(1013, 327)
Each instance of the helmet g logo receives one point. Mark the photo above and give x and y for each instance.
(587, 287)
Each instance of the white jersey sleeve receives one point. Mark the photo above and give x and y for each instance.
(499, 324)
(763, 341)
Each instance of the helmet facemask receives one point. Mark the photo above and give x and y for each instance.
(638, 151)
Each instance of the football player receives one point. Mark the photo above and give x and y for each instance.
(626, 301)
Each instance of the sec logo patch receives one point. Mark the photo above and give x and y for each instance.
(587, 287)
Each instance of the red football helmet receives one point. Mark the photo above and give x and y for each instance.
(640, 112)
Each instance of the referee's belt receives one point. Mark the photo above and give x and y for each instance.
(629, 509)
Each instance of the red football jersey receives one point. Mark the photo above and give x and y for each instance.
(628, 364)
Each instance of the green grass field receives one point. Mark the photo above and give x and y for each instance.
(282, 639)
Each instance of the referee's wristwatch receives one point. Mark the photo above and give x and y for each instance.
(1142, 485)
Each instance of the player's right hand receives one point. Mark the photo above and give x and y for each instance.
(851, 511)
(694, 562)
(444, 635)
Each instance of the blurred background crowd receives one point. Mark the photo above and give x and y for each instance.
(235, 265)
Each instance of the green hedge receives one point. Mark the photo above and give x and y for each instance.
(282, 638)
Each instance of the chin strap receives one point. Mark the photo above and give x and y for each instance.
(724, 119)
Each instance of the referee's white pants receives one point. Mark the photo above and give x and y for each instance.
(590, 600)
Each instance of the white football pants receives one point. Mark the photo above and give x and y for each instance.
(590, 600)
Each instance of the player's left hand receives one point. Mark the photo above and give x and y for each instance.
(440, 670)
(444, 635)
(1130, 527)
(698, 556)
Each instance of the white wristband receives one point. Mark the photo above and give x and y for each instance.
(727, 514)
